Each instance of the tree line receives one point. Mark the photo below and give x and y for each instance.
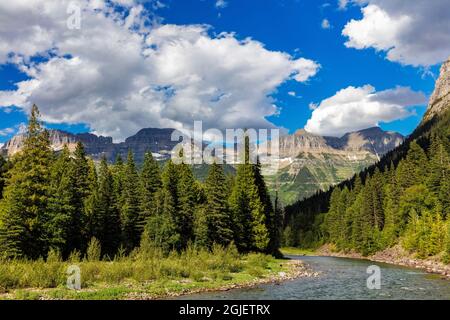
(64, 201)
(404, 199)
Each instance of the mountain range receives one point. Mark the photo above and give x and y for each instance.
(310, 162)
(307, 162)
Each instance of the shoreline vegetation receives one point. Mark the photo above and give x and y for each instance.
(146, 274)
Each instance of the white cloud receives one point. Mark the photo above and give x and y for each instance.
(356, 108)
(410, 32)
(292, 93)
(6, 132)
(325, 24)
(220, 4)
(313, 106)
(118, 73)
(342, 4)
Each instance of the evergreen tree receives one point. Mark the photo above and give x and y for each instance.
(110, 231)
(129, 210)
(202, 231)
(80, 179)
(162, 229)
(3, 169)
(24, 207)
(250, 231)
(61, 211)
(150, 183)
(187, 190)
(269, 213)
(92, 212)
(278, 223)
(219, 221)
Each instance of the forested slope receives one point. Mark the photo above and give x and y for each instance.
(404, 198)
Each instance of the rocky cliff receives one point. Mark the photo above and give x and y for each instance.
(310, 162)
(157, 141)
(440, 99)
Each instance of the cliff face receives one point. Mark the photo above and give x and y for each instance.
(310, 162)
(440, 99)
(372, 140)
(147, 140)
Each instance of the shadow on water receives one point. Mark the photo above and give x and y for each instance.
(344, 278)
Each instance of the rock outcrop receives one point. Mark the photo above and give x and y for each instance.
(310, 162)
(440, 99)
(152, 140)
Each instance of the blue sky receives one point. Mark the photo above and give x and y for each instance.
(294, 27)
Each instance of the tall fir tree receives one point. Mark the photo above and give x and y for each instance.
(3, 169)
(151, 183)
(24, 207)
(61, 210)
(250, 230)
(187, 201)
(80, 179)
(278, 224)
(110, 231)
(92, 212)
(218, 217)
(162, 228)
(269, 214)
(129, 210)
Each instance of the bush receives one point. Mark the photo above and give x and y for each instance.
(94, 250)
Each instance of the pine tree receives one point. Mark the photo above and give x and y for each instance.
(24, 207)
(219, 221)
(129, 211)
(80, 179)
(3, 165)
(92, 212)
(438, 165)
(269, 214)
(163, 228)
(150, 179)
(61, 211)
(332, 217)
(110, 232)
(250, 231)
(278, 224)
(187, 200)
(202, 233)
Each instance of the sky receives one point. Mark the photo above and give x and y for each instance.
(112, 67)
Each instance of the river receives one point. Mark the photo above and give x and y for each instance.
(342, 278)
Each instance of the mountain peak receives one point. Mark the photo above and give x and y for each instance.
(440, 99)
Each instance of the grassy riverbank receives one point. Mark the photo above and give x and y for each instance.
(144, 275)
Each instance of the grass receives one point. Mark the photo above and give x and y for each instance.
(145, 273)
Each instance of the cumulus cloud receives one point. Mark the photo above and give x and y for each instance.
(356, 108)
(220, 4)
(6, 132)
(121, 71)
(410, 32)
(325, 24)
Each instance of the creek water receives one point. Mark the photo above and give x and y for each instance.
(342, 278)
